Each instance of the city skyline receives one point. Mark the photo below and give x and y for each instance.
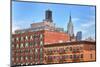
(29, 12)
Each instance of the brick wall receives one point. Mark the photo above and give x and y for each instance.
(55, 37)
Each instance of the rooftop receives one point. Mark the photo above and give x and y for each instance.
(70, 43)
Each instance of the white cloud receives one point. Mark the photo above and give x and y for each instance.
(87, 28)
(88, 24)
(19, 25)
(75, 19)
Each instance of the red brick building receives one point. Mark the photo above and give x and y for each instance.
(28, 48)
(55, 37)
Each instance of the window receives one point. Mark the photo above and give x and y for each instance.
(26, 45)
(70, 56)
(26, 37)
(35, 35)
(74, 50)
(91, 56)
(61, 50)
(31, 51)
(81, 48)
(31, 37)
(17, 39)
(21, 46)
(77, 49)
(60, 57)
(12, 45)
(41, 43)
(17, 46)
(40, 52)
(12, 39)
(26, 58)
(92, 48)
(30, 57)
(66, 49)
(41, 36)
(16, 58)
(49, 51)
(66, 56)
(12, 58)
(70, 48)
(21, 51)
(36, 50)
(35, 43)
(21, 58)
(49, 57)
(30, 43)
(75, 57)
(36, 55)
(21, 38)
(81, 55)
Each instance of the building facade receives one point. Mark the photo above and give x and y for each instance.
(79, 51)
(37, 48)
(28, 48)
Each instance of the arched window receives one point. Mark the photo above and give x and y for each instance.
(31, 37)
(21, 38)
(12, 39)
(26, 58)
(41, 36)
(12, 45)
(17, 45)
(26, 37)
(26, 44)
(17, 39)
(12, 58)
(21, 46)
(21, 58)
(41, 43)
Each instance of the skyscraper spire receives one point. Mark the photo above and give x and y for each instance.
(70, 27)
(70, 18)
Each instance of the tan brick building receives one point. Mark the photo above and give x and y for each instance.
(79, 51)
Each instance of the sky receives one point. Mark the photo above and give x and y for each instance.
(83, 17)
